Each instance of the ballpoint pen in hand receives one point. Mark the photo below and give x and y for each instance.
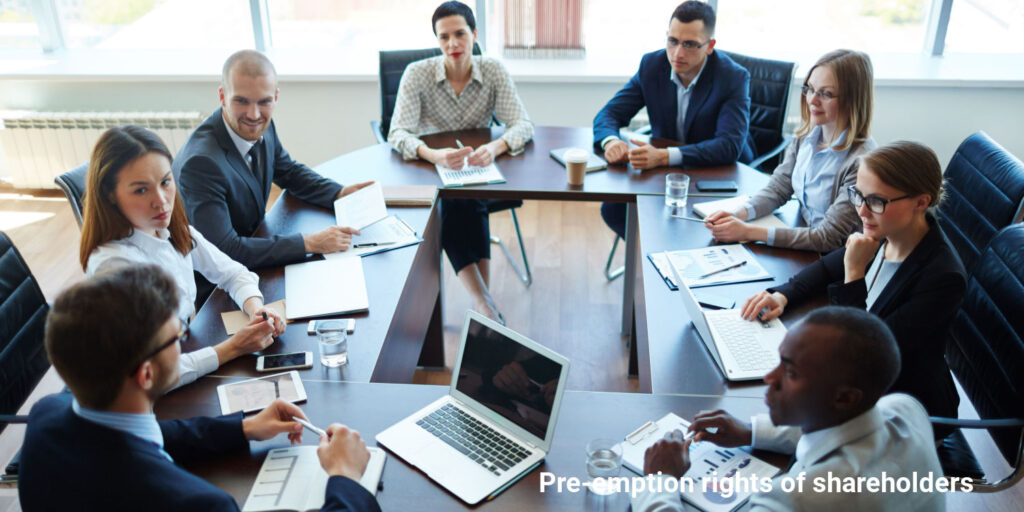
(730, 267)
(267, 319)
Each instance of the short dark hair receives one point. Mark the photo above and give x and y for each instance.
(866, 352)
(692, 10)
(453, 9)
(99, 329)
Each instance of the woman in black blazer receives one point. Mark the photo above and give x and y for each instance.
(901, 268)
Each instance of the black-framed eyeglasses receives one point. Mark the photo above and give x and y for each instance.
(181, 337)
(822, 95)
(672, 42)
(875, 204)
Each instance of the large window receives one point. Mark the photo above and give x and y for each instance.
(357, 25)
(155, 24)
(986, 26)
(18, 27)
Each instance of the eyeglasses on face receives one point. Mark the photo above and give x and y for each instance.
(671, 43)
(875, 204)
(822, 95)
(180, 337)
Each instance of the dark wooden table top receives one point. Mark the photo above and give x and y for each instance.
(372, 407)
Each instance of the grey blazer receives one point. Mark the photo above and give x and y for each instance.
(841, 218)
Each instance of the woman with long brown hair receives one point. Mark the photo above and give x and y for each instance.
(134, 215)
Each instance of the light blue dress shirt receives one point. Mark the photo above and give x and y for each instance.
(143, 426)
(813, 176)
(683, 94)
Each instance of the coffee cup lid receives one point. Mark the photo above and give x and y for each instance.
(576, 155)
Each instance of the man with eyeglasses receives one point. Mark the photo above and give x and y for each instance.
(693, 94)
(114, 340)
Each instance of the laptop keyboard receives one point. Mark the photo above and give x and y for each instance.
(740, 336)
(481, 443)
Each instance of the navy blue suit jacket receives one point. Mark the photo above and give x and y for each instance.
(68, 463)
(226, 203)
(717, 119)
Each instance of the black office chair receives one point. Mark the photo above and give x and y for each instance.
(392, 66)
(770, 81)
(73, 185)
(23, 360)
(984, 193)
(986, 353)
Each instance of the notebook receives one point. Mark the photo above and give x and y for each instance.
(292, 479)
(498, 420)
(327, 287)
(470, 175)
(409, 195)
(709, 266)
(706, 460)
(594, 162)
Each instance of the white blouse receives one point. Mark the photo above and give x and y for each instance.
(206, 258)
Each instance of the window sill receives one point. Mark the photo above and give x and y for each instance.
(891, 70)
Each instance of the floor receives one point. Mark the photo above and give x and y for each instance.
(571, 307)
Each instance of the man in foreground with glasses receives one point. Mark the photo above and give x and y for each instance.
(114, 340)
(902, 268)
(693, 94)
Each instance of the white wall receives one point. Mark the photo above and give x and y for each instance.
(318, 120)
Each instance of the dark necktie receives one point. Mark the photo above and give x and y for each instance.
(256, 154)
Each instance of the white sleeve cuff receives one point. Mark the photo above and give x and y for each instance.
(675, 157)
(607, 140)
(193, 365)
(769, 236)
(751, 212)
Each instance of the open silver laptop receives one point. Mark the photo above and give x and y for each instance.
(498, 419)
(742, 349)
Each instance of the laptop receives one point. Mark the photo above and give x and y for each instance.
(498, 419)
(743, 350)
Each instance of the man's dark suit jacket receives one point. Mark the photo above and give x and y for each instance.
(68, 463)
(717, 119)
(918, 304)
(226, 203)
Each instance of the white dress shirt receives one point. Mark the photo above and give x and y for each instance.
(243, 145)
(894, 438)
(206, 258)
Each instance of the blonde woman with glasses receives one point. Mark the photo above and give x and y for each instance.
(835, 108)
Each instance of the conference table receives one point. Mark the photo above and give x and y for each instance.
(403, 328)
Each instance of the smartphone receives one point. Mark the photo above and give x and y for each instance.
(275, 362)
(716, 186)
(350, 326)
(710, 300)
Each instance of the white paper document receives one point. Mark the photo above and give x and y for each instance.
(708, 462)
(333, 286)
(292, 479)
(708, 266)
(361, 208)
(732, 203)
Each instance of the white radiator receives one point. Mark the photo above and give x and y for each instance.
(36, 147)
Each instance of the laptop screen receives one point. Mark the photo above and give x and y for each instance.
(508, 378)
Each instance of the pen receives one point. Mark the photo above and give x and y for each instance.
(730, 267)
(277, 389)
(371, 244)
(266, 319)
(459, 143)
(312, 428)
(694, 219)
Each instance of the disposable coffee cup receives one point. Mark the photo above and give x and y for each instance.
(576, 165)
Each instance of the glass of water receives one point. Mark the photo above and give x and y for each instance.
(604, 459)
(333, 341)
(677, 186)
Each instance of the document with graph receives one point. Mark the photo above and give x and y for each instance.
(292, 479)
(470, 175)
(709, 266)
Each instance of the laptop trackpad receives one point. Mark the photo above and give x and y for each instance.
(433, 456)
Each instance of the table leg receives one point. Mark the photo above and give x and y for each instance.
(629, 277)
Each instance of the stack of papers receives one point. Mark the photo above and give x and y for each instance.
(365, 210)
(334, 286)
(409, 195)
